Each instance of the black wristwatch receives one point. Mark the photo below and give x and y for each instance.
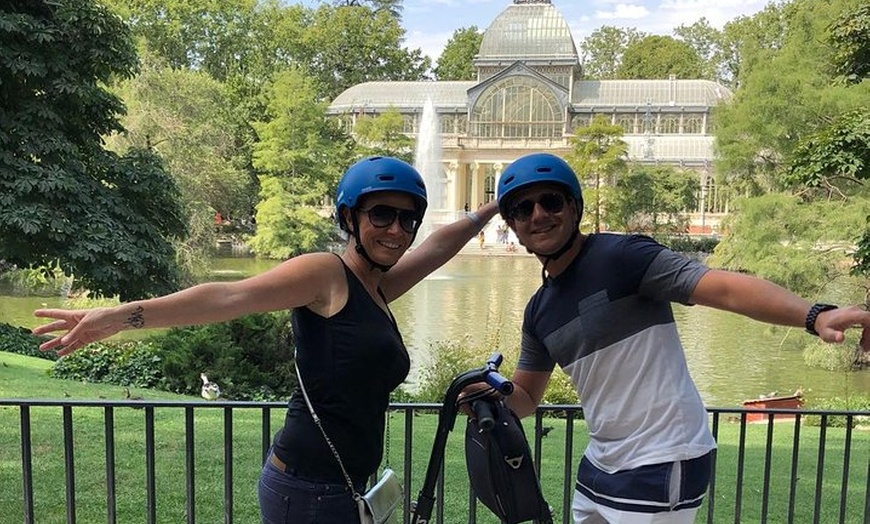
(810, 322)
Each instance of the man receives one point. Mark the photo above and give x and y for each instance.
(603, 314)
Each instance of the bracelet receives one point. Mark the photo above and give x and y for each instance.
(475, 219)
(813, 314)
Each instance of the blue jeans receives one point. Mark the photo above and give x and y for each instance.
(288, 499)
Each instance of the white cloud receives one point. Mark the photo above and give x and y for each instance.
(623, 12)
(432, 44)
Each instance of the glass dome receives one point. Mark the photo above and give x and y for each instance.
(528, 30)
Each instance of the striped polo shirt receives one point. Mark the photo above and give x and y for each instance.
(607, 322)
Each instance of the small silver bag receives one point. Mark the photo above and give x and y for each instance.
(378, 505)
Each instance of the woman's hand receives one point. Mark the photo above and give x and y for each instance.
(81, 327)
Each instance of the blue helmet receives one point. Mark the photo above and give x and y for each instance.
(535, 169)
(378, 173)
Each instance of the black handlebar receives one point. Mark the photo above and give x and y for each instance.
(488, 374)
(483, 413)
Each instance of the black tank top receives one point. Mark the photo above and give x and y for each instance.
(349, 364)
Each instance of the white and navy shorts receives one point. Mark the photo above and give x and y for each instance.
(646, 491)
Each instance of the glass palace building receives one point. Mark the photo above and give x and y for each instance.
(528, 97)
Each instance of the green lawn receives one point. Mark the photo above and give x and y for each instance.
(23, 377)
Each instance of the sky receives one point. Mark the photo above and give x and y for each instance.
(429, 24)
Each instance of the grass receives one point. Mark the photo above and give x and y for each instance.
(24, 377)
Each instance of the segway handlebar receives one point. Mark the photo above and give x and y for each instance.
(488, 374)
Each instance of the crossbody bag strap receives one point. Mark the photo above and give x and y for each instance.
(356, 495)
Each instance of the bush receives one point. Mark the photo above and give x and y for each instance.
(450, 359)
(833, 357)
(852, 402)
(251, 357)
(689, 244)
(20, 340)
(127, 364)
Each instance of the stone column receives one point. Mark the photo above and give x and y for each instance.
(476, 174)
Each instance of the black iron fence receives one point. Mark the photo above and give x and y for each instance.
(165, 461)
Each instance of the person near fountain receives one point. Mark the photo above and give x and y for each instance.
(603, 314)
(349, 349)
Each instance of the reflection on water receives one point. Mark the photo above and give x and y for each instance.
(481, 300)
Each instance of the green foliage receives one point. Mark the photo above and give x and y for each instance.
(107, 219)
(707, 43)
(601, 52)
(345, 46)
(286, 224)
(657, 56)
(40, 281)
(797, 245)
(448, 359)
(183, 115)
(836, 155)
(833, 357)
(785, 92)
(456, 61)
(598, 156)
(383, 135)
(125, 364)
(653, 199)
(296, 139)
(19, 340)
(850, 37)
(688, 244)
(853, 402)
(251, 358)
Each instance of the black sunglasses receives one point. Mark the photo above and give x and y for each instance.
(383, 216)
(549, 202)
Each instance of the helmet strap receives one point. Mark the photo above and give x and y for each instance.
(558, 253)
(359, 247)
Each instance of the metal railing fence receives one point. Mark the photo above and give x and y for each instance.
(796, 466)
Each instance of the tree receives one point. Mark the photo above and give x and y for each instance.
(598, 155)
(850, 37)
(301, 154)
(786, 94)
(393, 7)
(653, 199)
(601, 52)
(784, 239)
(345, 46)
(837, 156)
(64, 199)
(456, 61)
(383, 135)
(705, 41)
(660, 57)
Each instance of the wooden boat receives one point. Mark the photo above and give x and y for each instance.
(774, 401)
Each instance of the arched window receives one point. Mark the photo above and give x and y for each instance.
(669, 124)
(448, 124)
(578, 121)
(517, 107)
(409, 124)
(489, 183)
(693, 125)
(626, 122)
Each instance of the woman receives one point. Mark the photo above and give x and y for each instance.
(349, 351)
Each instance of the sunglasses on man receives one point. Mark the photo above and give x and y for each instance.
(383, 216)
(549, 202)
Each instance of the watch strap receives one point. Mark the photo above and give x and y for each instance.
(813, 314)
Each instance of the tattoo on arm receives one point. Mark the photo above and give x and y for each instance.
(136, 318)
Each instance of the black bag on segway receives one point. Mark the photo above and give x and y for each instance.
(501, 469)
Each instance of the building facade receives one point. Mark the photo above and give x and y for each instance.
(528, 97)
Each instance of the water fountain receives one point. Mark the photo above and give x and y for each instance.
(427, 160)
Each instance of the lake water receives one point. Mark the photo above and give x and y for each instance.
(480, 300)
